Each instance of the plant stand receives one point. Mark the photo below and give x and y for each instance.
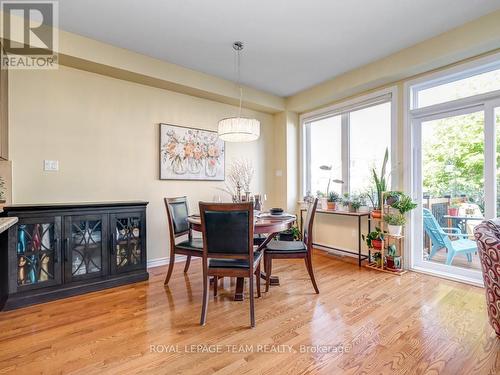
(388, 240)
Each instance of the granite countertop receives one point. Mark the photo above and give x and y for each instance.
(6, 223)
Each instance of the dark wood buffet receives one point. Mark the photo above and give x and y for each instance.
(60, 250)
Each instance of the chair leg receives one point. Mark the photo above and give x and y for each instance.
(449, 257)
(252, 311)
(188, 262)
(268, 266)
(204, 302)
(170, 266)
(434, 250)
(311, 273)
(257, 280)
(216, 281)
(469, 257)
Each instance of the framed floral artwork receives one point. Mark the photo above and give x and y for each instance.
(191, 154)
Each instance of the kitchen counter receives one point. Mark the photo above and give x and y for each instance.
(6, 223)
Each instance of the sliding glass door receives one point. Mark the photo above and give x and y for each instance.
(455, 178)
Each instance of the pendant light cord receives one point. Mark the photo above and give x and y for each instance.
(238, 80)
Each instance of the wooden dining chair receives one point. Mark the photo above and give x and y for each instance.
(228, 248)
(177, 214)
(293, 249)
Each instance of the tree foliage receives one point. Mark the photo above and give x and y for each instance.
(453, 156)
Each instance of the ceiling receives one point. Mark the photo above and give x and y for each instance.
(290, 45)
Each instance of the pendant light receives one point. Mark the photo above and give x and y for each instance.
(239, 129)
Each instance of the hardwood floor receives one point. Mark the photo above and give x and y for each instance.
(367, 322)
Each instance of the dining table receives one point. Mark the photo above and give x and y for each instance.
(263, 224)
(461, 221)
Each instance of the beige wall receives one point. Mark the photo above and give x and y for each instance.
(285, 160)
(105, 134)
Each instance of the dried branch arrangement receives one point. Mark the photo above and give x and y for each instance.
(239, 178)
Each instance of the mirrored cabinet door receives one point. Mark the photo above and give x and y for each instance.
(85, 249)
(128, 241)
(37, 261)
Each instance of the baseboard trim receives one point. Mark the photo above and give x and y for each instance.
(157, 262)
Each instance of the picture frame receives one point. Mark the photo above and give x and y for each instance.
(191, 154)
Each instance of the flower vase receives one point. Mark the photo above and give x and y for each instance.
(194, 166)
(211, 167)
(179, 166)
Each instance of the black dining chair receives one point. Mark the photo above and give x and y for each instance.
(228, 248)
(178, 225)
(293, 249)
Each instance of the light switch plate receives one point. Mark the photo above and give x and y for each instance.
(51, 165)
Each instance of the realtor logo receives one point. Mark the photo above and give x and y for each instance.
(29, 34)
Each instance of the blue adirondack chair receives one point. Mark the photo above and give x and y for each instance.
(440, 238)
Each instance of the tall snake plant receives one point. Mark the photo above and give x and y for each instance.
(381, 180)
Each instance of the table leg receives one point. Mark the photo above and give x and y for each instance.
(359, 241)
(274, 281)
(240, 284)
(369, 230)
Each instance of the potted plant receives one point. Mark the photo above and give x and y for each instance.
(323, 200)
(355, 204)
(377, 258)
(395, 223)
(405, 204)
(380, 181)
(343, 203)
(392, 260)
(333, 198)
(454, 207)
(392, 197)
(363, 205)
(292, 234)
(374, 239)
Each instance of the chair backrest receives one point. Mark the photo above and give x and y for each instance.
(308, 224)
(227, 230)
(177, 213)
(434, 230)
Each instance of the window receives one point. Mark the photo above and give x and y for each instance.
(454, 148)
(345, 142)
(370, 134)
(326, 136)
(461, 85)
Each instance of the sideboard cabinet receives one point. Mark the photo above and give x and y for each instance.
(61, 250)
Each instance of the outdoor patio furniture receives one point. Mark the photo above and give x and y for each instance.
(440, 238)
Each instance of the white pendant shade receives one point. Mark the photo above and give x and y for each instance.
(239, 129)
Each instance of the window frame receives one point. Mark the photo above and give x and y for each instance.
(453, 74)
(486, 102)
(343, 109)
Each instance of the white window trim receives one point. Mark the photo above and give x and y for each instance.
(442, 77)
(487, 102)
(357, 103)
